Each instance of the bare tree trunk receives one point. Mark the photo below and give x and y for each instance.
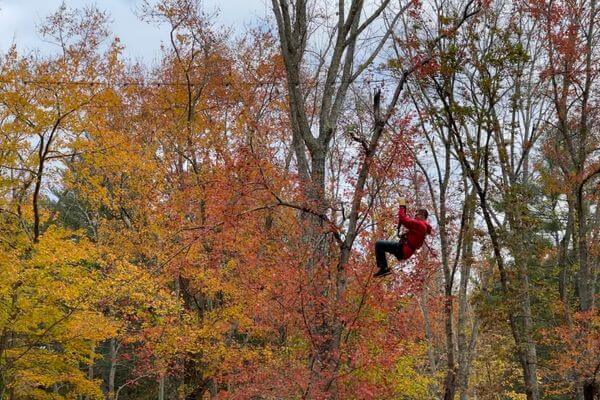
(585, 282)
(532, 388)
(44, 149)
(450, 380)
(465, 346)
(90, 371)
(523, 289)
(427, 326)
(112, 372)
(584, 276)
(161, 388)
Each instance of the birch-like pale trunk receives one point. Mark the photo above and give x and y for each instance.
(161, 388)
(466, 343)
(112, 370)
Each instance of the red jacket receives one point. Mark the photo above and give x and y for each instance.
(417, 230)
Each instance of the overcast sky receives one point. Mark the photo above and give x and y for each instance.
(19, 18)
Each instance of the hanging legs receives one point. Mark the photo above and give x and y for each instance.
(381, 248)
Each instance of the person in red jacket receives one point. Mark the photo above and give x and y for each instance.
(417, 228)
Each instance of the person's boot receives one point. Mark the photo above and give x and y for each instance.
(382, 272)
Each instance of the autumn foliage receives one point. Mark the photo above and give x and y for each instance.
(203, 227)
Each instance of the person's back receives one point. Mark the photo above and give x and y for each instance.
(417, 230)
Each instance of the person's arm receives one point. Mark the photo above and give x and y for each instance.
(405, 220)
(402, 209)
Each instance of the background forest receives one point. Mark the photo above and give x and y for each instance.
(203, 226)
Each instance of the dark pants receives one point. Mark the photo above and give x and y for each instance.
(387, 246)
